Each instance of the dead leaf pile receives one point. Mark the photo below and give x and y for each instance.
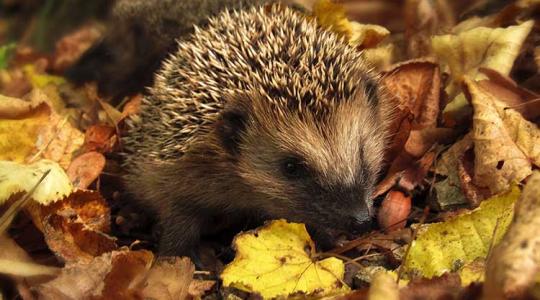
(458, 203)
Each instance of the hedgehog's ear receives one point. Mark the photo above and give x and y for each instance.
(230, 128)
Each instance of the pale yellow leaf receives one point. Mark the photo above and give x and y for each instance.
(15, 177)
(278, 260)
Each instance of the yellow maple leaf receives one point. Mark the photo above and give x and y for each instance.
(446, 246)
(505, 143)
(465, 53)
(279, 260)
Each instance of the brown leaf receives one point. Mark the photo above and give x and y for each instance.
(75, 227)
(504, 89)
(448, 192)
(58, 139)
(514, 263)
(498, 159)
(101, 138)
(86, 168)
(114, 275)
(132, 106)
(71, 241)
(169, 278)
(70, 48)
(447, 286)
(423, 19)
(412, 164)
(416, 85)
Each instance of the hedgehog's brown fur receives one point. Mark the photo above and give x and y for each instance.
(262, 111)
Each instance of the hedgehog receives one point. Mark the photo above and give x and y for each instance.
(264, 113)
(140, 34)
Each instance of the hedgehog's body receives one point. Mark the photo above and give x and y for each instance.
(263, 112)
(140, 34)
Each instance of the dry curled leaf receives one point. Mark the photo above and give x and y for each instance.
(505, 144)
(172, 278)
(514, 264)
(75, 228)
(113, 275)
(465, 53)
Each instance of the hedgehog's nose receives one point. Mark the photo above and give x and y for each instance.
(361, 225)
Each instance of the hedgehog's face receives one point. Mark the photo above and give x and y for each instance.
(318, 170)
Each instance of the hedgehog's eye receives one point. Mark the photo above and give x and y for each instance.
(293, 168)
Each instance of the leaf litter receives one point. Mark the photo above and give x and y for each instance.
(464, 143)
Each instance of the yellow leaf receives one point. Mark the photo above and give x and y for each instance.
(15, 177)
(465, 53)
(279, 260)
(443, 247)
(514, 264)
(332, 16)
(18, 134)
(472, 272)
(31, 129)
(41, 80)
(504, 142)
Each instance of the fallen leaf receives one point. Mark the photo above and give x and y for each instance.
(20, 128)
(169, 279)
(113, 275)
(413, 129)
(466, 52)
(70, 48)
(40, 79)
(86, 168)
(383, 287)
(32, 130)
(15, 261)
(448, 192)
(379, 58)
(22, 178)
(444, 247)
(504, 142)
(278, 260)
(446, 286)
(332, 15)
(514, 264)
(423, 19)
(100, 138)
(504, 89)
(75, 228)
(416, 84)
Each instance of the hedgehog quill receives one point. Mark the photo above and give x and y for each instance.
(260, 112)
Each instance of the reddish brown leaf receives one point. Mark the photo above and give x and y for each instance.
(416, 85)
(101, 138)
(86, 168)
(70, 48)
